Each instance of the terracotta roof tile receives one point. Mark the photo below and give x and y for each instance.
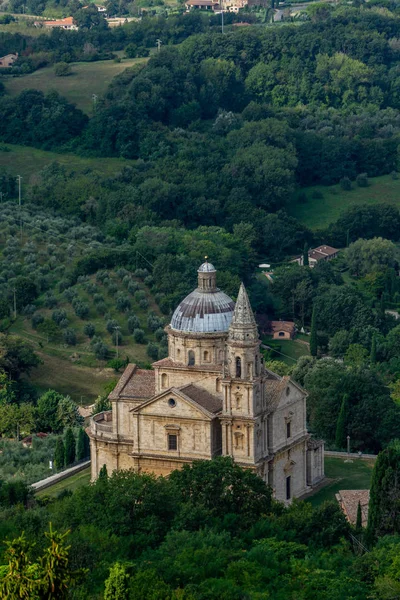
(349, 499)
(135, 383)
(211, 403)
(288, 326)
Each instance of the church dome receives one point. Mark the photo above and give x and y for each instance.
(206, 309)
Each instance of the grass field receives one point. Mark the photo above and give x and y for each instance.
(86, 79)
(318, 213)
(287, 351)
(27, 161)
(344, 476)
(71, 483)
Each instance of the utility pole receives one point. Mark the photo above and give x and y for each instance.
(117, 329)
(222, 20)
(158, 42)
(19, 203)
(94, 100)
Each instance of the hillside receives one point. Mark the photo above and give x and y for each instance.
(71, 321)
(325, 204)
(86, 79)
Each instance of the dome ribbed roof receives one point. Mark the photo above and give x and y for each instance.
(207, 309)
(204, 312)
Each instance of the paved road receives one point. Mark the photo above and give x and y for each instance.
(45, 483)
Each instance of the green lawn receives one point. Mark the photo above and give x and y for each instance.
(71, 483)
(27, 161)
(287, 351)
(344, 476)
(318, 213)
(86, 79)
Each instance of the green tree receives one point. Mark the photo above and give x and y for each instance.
(359, 518)
(306, 262)
(372, 356)
(62, 69)
(59, 454)
(384, 504)
(51, 577)
(356, 355)
(117, 584)
(16, 356)
(82, 446)
(341, 433)
(368, 256)
(314, 334)
(69, 447)
(47, 411)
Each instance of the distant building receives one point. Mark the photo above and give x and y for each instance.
(281, 330)
(201, 5)
(67, 23)
(8, 60)
(349, 499)
(318, 254)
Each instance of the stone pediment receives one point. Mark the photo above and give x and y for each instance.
(175, 404)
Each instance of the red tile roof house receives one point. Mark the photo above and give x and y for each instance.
(321, 253)
(348, 501)
(201, 5)
(281, 330)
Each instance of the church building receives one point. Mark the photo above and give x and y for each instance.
(211, 396)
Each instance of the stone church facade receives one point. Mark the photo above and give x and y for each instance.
(211, 396)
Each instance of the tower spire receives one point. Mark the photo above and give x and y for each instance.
(243, 325)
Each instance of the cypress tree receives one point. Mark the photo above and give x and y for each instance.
(306, 262)
(372, 356)
(359, 518)
(69, 447)
(80, 447)
(313, 336)
(59, 455)
(340, 437)
(384, 513)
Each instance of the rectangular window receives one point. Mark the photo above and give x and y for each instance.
(288, 430)
(172, 442)
(288, 486)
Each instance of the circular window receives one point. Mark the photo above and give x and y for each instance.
(171, 402)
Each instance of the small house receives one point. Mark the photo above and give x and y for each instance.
(8, 60)
(67, 23)
(281, 330)
(348, 501)
(318, 254)
(201, 5)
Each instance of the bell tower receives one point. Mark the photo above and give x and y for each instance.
(243, 410)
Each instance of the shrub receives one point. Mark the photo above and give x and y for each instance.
(345, 184)
(141, 273)
(111, 323)
(70, 294)
(139, 336)
(89, 330)
(123, 303)
(394, 175)
(362, 180)
(152, 350)
(154, 322)
(117, 337)
(101, 308)
(64, 323)
(101, 350)
(29, 310)
(144, 303)
(122, 273)
(133, 323)
(36, 320)
(59, 315)
(113, 288)
(69, 337)
(50, 301)
(62, 69)
(81, 310)
(117, 364)
(133, 287)
(160, 334)
(97, 298)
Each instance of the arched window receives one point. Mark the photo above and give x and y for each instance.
(164, 380)
(206, 356)
(178, 353)
(191, 359)
(238, 366)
